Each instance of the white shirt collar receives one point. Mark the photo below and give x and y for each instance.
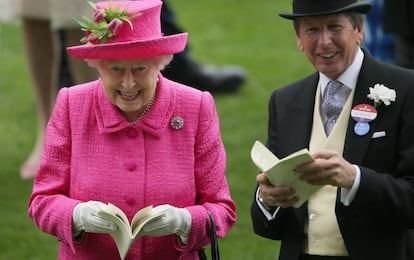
(349, 77)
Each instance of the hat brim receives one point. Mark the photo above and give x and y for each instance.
(165, 45)
(356, 7)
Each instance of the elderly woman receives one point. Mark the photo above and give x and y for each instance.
(133, 139)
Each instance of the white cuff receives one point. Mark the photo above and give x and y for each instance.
(348, 195)
(269, 216)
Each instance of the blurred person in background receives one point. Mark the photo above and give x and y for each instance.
(398, 19)
(41, 21)
(356, 117)
(132, 138)
(378, 43)
(186, 70)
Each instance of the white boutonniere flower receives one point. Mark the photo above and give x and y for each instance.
(381, 94)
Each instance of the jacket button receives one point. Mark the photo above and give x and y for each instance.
(131, 133)
(130, 201)
(130, 166)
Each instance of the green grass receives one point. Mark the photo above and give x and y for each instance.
(221, 32)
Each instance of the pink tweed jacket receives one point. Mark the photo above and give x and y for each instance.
(93, 153)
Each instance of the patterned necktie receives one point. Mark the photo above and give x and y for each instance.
(330, 106)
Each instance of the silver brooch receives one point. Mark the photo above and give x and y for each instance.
(177, 122)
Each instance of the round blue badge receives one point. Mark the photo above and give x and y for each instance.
(361, 128)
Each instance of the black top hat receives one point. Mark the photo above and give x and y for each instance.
(303, 8)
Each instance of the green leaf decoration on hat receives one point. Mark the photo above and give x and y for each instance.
(105, 24)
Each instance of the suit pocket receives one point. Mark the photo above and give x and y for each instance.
(382, 152)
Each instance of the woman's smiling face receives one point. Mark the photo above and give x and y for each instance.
(129, 84)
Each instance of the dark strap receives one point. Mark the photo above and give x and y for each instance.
(215, 254)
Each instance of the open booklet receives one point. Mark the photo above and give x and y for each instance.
(281, 171)
(126, 233)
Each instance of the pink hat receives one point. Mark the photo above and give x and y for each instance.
(126, 30)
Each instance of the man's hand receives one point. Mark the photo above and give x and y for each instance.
(275, 196)
(328, 168)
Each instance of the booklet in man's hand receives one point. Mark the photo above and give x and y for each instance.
(281, 171)
(126, 234)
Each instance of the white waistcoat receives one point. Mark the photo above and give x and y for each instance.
(323, 235)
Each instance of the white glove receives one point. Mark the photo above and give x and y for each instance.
(85, 218)
(175, 221)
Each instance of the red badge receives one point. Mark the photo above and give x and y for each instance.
(363, 113)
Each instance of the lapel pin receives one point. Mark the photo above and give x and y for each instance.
(363, 114)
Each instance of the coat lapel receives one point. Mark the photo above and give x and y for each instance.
(297, 118)
(356, 146)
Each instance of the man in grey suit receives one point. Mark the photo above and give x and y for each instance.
(361, 136)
